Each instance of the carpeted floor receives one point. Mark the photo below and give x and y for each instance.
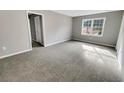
(66, 62)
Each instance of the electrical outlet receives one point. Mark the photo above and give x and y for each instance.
(4, 48)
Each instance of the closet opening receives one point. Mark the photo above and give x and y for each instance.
(36, 29)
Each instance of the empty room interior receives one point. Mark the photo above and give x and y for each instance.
(61, 45)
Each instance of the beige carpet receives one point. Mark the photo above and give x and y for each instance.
(66, 62)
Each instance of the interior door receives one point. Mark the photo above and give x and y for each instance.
(38, 29)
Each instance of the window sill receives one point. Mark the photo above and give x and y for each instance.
(92, 35)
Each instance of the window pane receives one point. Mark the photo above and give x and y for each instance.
(87, 23)
(92, 27)
(97, 26)
(86, 26)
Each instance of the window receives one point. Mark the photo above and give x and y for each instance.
(93, 27)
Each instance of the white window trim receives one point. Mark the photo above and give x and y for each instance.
(92, 19)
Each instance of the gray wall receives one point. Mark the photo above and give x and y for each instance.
(13, 32)
(57, 27)
(120, 47)
(111, 30)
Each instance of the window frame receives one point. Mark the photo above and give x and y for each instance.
(92, 22)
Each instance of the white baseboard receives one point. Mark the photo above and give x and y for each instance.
(93, 42)
(57, 42)
(15, 53)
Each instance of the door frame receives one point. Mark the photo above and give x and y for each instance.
(43, 27)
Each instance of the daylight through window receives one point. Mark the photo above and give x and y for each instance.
(93, 27)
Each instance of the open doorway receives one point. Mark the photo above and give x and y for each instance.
(36, 28)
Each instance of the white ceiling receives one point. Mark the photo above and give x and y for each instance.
(74, 13)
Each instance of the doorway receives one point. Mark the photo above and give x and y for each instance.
(36, 28)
